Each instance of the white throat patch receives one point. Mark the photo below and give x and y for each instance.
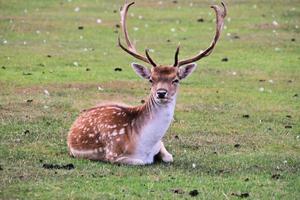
(153, 131)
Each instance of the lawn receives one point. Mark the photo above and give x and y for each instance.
(236, 129)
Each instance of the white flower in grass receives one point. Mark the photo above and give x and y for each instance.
(81, 37)
(135, 28)
(4, 41)
(100, 88)
(233, 73)
(38, 31)
(275, 23)
(261, 89)
(75, 64)
(173, 29)
(99, 21)
(140, 17)
(285, 162)
(271, 81)
(46, 92)
(25, 43)
(77, 9)
(194, 165)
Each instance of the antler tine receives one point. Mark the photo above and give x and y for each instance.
(149, 58)
(220, 15)
(123, 13)
(131, 48)
(176, 56)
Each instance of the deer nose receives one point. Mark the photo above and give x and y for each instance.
(161, 93)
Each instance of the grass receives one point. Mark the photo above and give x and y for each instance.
(229, 137)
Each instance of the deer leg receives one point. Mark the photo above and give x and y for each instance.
(164, 154)
(129, 161)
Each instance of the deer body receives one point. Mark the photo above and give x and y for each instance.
(133, 135)
(116, 133)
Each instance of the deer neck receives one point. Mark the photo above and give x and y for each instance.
(154, 120)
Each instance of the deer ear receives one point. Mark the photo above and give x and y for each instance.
(142, 71)
(186, 70)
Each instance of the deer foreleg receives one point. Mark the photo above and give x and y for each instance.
(164, 154)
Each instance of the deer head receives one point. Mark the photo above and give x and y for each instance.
(165, 79)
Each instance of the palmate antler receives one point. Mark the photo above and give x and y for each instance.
(220, 15)
(131, 48)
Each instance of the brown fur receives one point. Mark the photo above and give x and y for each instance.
(105, 127)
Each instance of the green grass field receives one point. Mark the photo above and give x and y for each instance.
(236, 132)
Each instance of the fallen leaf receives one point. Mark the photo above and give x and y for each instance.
(225, 59)
(178, 191)
(241, 195)
(56, 166)
(193, 193)
(288, 126)
(118, 69)
(200, 20)
(275, 176)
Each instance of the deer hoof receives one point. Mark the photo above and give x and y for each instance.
(168, 158)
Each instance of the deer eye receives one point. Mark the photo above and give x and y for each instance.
(150, 80)
(176, 81)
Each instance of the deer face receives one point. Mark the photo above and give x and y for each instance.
(164, 79)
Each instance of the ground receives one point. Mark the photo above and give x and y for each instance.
(236, 132)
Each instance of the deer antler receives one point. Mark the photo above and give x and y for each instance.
(131, 48)
(220, 15)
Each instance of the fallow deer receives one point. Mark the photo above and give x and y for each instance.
(133, 135)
